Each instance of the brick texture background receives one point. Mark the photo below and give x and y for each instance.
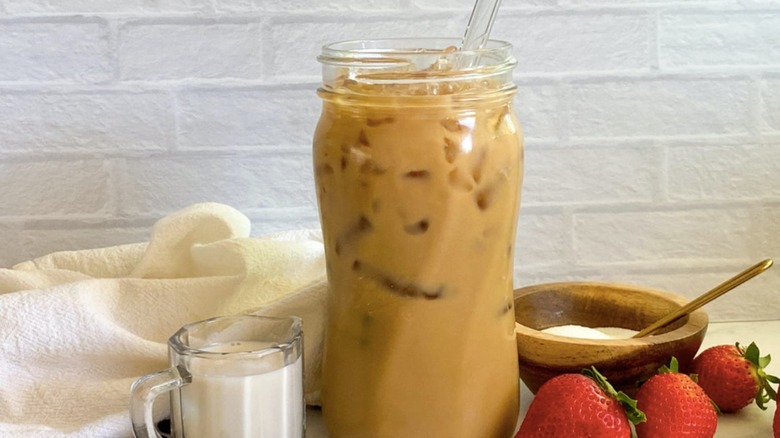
(652, 126)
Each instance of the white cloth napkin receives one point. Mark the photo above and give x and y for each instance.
(78, 327)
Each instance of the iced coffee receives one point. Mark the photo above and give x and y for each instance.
(418, 168)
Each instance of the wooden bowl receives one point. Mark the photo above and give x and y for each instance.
(625, 362)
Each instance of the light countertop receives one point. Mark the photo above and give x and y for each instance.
(750, 422)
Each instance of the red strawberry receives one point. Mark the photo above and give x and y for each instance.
(675, 406)
(734, 376)
(776, 423)
(579, 405)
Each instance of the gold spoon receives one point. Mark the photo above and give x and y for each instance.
(719, 290)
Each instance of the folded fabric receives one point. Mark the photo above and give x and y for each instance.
(79, 327)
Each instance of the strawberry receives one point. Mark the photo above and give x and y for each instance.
(579, 405)
(734, 376)
(776, 423)
(675, 406)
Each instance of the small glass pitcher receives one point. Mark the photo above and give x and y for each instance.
(237, 376)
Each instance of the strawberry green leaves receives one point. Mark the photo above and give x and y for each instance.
(634, 415)
(765, 391)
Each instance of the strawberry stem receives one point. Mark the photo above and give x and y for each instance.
(673, 367)
(635, 416)
(765, 391)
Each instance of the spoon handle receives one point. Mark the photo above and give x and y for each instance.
(719, 290)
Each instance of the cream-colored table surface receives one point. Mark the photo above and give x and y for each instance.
(751, 422)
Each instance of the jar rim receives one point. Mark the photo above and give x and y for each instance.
(407, 46)
(416, 66)
(404, 51)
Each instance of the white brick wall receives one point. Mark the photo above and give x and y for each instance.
(659, 107)
(269, 115)
(567, 42)
(718, 170)
(183, 48)
(652, 126)
(44, 120)
(625, 174)
(272, 179)
(39, 187)
(58, 49)
(694, 39)
(309, 32)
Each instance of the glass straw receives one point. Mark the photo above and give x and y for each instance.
(478, 30)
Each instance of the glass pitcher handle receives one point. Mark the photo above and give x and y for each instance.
(145, 390)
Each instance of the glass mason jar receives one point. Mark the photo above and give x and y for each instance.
(418, 167)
